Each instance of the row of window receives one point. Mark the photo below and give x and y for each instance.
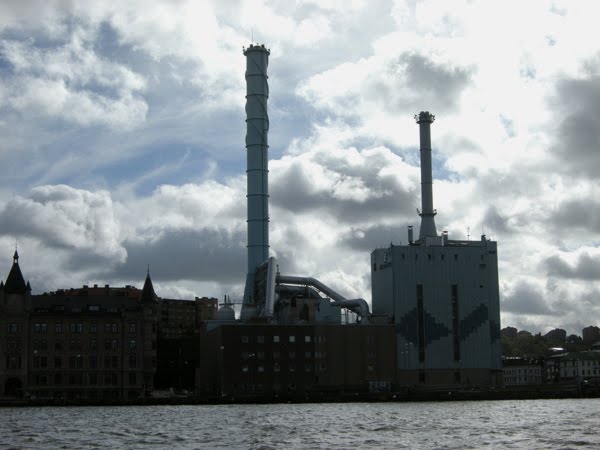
(291, 339)
(77, 362)
(109, 344)
(247, 356)
(82, 379)
(573, 372)
(74, 327)
(291, 367)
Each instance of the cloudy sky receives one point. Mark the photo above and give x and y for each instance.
(122, 141)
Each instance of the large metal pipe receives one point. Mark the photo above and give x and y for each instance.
(356, 305)
(427, 213)
(257, 151)
(270, 287)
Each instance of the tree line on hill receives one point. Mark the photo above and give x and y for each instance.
(526, 345)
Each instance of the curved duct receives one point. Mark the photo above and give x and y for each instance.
(270, 288)
(357, 305)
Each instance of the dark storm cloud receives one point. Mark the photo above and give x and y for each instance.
(350, 192)
(497, 222)
(203, 255)
(579, 214)
(587, 267)
(367, 239)
(526, 299)
(577, 114)
(415, 80)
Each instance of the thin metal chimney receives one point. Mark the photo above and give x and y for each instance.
(257, 150)
(427, 213)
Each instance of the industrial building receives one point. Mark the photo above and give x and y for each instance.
(435, 320)
(443, 297)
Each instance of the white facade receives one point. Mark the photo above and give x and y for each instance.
(522, 374)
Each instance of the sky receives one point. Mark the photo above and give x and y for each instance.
(122, 142)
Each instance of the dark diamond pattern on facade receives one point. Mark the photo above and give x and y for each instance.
(407, 327)
(473, 320)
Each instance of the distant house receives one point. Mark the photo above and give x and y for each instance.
(522, 372)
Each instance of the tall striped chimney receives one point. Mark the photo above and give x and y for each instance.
(257, 151)
(427, 213)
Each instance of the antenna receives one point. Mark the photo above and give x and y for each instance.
(468, 233)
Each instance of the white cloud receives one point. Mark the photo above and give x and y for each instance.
(130, 117)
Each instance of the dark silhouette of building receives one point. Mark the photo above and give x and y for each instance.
(88, 343)
(296, 362)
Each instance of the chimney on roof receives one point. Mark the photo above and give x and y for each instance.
(427, 213)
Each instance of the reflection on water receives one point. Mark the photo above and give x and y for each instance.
(499, 424)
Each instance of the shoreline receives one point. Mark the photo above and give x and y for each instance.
(391, 397)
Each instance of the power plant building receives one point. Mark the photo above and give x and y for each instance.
(443, 297)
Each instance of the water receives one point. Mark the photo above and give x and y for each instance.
(536, 424)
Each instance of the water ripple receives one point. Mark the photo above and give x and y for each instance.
(544, 424)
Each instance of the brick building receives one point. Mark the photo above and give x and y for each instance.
(91, 343)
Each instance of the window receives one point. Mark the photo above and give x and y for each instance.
(80, 328)
(115, 362)
(260, 339)
(107, 327)
(93, 362)
(58, 346)
(276, 339)
(276, 355)
(94, 308)
(292, 355)
(114, 344)
(244, 339)
(58, 328)
(57, 379)
(93, 345)
(114, 328)
(43, 362)
(132, 344)
(306, 339)
(132, 378)
(93, 379)
(12, 328)
(107, 344)
(307, 354)
(132, 361)
(292, 339)
(132, 328)
(93, 327)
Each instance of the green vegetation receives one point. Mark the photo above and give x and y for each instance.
(526, 345)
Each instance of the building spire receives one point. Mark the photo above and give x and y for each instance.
(148, 294)
(15, 283)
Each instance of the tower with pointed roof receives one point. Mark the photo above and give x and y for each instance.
(148, 294)
(15, 308)
(15, 294)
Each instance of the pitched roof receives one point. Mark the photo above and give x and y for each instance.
(148, 294)
(15, 284)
